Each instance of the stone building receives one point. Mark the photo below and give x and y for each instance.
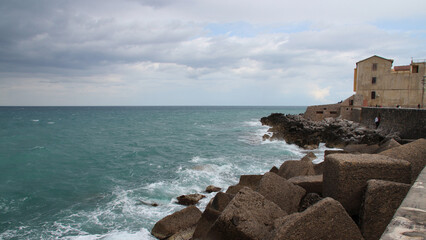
(380, 85)
(377, 84)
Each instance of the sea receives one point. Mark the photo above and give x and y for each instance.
(93, 172)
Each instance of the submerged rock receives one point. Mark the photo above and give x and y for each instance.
(212, 188)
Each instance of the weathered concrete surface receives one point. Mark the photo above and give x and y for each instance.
(176, 222)
(293, 168)
(312, 184)
(250, 181)
(280, 191)
(409, 221)
(345, 176)
(248, 215)
(414, 152)
(382, 199)
(325, 220)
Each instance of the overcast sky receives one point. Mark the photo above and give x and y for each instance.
(198, 52)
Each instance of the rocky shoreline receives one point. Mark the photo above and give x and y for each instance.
(351, 195)
(335, 132)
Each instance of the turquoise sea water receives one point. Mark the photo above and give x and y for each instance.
(82, 172)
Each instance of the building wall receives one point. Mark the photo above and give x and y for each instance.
(392, 88)
(319, 112)
(409, 122)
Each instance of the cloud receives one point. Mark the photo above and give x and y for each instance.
(144, 52)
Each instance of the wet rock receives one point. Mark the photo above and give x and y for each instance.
(345, 176)
(382, 199)
(295, 129)
(361, 148)
(190, 199)
(186, 234)
(212, 188)
(176, 222)
(326, 220)
(280, 191)
(141, 202)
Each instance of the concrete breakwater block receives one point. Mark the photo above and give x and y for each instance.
(414, 152)
(250, 181)
(280, 191)
(312, 184)
(345, 176)
(176, 222)
(211, 213)
(382, 199)
(293, 168)
(326, 219)
(248, 215)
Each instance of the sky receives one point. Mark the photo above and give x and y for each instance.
(198, 52)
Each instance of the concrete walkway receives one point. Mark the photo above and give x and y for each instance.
(409, 221)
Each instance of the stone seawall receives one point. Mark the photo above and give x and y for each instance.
(409, 122)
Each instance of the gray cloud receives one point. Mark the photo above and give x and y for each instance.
(122, 49)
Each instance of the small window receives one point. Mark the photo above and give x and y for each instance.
(351, 102)
(373, 80)
(333, 112)
(373, 95)
(374, 66)
(320, 112)
(415, 69)
(325, 108)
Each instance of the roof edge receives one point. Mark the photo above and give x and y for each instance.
(390, 60)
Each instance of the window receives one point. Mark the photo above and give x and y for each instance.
(374, 66)
(373, 95)
(373, 80)
(333, 112)
(320, 112)
(351, 102)
(415, 68)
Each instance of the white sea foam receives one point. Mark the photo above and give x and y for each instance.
(50, 122)
(35, 120)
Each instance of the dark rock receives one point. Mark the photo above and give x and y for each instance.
(309, 200)
(319, 168)
(335, 132)
(211, 213)
(212, 188)
(274, 169)
(234, 189)
(382, 199)
(312, 184)
(280, 191)
(141, 202)
(345, 176)
(176, 222)
(326, 220)
(293, 168)
(309, 157)
(414, 152)
(266, 137)
(248, 216)
(190, 199)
